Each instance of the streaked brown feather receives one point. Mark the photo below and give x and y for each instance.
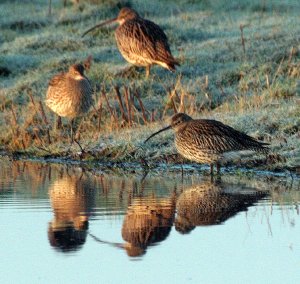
(206, 141)
(69, 96)
(140, 41)
(218, 137)
(210, 203)
(144, 42)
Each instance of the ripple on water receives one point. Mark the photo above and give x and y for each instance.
(104, 217)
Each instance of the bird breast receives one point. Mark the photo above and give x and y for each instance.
(70, 97)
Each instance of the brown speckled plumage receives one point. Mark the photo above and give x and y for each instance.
(70, 94)
(141, 42)
(206, 141)
(148, 220)
(210, 203)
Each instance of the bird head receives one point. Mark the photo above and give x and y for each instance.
(76, 71)
(178, 121)
(124, 15)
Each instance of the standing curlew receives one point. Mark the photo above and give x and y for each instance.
(70, 94)
(140, 41)
(208, 141)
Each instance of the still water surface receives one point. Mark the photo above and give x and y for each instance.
(61, 224)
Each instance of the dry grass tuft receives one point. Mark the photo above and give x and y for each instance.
(239, 64)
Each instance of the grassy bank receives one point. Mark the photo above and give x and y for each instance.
(239, 64)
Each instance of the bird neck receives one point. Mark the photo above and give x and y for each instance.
(131, 18)
(79, 77)
(121, 22)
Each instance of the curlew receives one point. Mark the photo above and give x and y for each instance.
(148, 221)
(72, 199)
(213, 203)
(140, 41)
(70, 94)
(208, 141)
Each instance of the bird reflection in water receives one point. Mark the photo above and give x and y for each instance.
(148, 221)
(72, 199)
(212, 203)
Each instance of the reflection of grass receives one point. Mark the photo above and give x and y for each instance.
(109, 180)
(111, 192)
(248, 80)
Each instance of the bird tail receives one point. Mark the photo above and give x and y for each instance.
(262, 148)
(172, 63)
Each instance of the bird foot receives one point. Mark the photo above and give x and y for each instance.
(81, 149)
(74, 140)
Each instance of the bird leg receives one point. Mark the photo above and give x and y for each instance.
(72, 130)
(148, 70)
(211, 169)
(182, 171)
(73, 135)
(81, 149)
(58, 123)
(218, 168)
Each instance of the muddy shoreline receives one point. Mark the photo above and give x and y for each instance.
(155, 167)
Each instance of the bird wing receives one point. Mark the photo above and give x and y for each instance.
(216, 136)
(144, 38)
(56, 87)
(57, 81)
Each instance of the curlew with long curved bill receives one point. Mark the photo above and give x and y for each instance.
(140, 41)
(208, 141)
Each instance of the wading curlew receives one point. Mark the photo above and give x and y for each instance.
(140, 41)
(70, 94)
(208, 141)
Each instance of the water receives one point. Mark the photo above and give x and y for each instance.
(61, 224)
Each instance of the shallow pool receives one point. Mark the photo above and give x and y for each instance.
(62, 224)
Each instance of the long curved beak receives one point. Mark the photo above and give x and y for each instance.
(100, 25)
(159, 131)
